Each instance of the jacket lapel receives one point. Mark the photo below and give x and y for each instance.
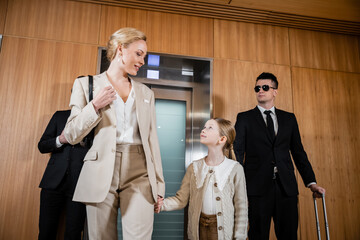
(140, 108)
(279, 121)
(101, 81)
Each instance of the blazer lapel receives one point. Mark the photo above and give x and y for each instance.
(101, 82)
(140, 108)
(279, 121)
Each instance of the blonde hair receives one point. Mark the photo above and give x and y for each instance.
(124, 37)
(227, 129)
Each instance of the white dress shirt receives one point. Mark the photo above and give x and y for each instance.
(127, 127)
(273, 116)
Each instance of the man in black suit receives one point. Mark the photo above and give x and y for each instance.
(59, 181)
(265, 137)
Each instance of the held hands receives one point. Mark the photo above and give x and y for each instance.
(104, 98)
(158, 205)
(62, 138)
(317, 190)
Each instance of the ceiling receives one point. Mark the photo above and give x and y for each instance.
(338, 16)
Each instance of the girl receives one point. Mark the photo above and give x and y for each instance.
(214, 187)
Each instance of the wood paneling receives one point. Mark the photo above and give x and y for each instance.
(252, 42)
(36, 77)
(53, 19)
(236, 13)
(112, 19)
(324, 50)
(325, 103)
(166, 33)
(332, 9)
(179, 34)
(233, 86)
(3, 9)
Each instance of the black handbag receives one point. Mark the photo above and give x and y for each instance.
(88, 140)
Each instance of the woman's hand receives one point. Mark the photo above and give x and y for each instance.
(104, 98)
(158, 205)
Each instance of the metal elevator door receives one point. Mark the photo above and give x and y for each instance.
(173, 117)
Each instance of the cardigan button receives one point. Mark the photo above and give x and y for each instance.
(218, 198)
(215, 184)
(219, 213)
(211, 171)
(220, 228)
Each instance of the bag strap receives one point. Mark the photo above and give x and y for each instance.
(91, 81)
(90, 136)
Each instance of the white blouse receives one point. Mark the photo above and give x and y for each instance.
(127, 127)
(217, 179)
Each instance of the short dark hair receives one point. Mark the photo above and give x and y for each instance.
(266, 75)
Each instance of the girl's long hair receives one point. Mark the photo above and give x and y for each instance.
(227, 129)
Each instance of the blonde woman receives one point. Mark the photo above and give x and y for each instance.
(214, 187)
(123, 167)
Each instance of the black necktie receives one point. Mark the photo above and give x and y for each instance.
(270, 124)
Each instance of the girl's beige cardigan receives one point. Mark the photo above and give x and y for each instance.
(231, 202)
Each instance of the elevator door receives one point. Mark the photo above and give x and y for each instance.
(173, 111)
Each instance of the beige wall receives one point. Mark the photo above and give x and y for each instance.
(47, 43)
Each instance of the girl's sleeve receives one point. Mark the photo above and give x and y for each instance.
(240, 205)
(181, 198)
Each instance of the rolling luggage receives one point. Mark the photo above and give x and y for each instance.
(325, 218)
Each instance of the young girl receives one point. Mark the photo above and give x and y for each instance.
(215, 188)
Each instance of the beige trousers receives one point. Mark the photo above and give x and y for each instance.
(130, 190)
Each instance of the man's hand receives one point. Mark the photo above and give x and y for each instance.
(317, 190)
(62, 138)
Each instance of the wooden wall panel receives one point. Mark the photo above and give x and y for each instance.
(325, 103)
(324, 50)
(166, 33)
(251, 42)
(179, 34)
(3, 9)
(36, 77)
(54, 19)
(112, 19)
(331, 9)
(233, 86)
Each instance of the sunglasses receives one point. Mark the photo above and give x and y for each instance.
(264, 87)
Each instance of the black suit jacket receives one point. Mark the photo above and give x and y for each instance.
(258, 154)
(66, 159)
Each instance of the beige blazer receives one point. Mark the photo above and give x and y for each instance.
(97, 172)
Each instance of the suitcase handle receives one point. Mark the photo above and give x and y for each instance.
(325, 218)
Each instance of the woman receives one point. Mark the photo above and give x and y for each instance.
(123, 166)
